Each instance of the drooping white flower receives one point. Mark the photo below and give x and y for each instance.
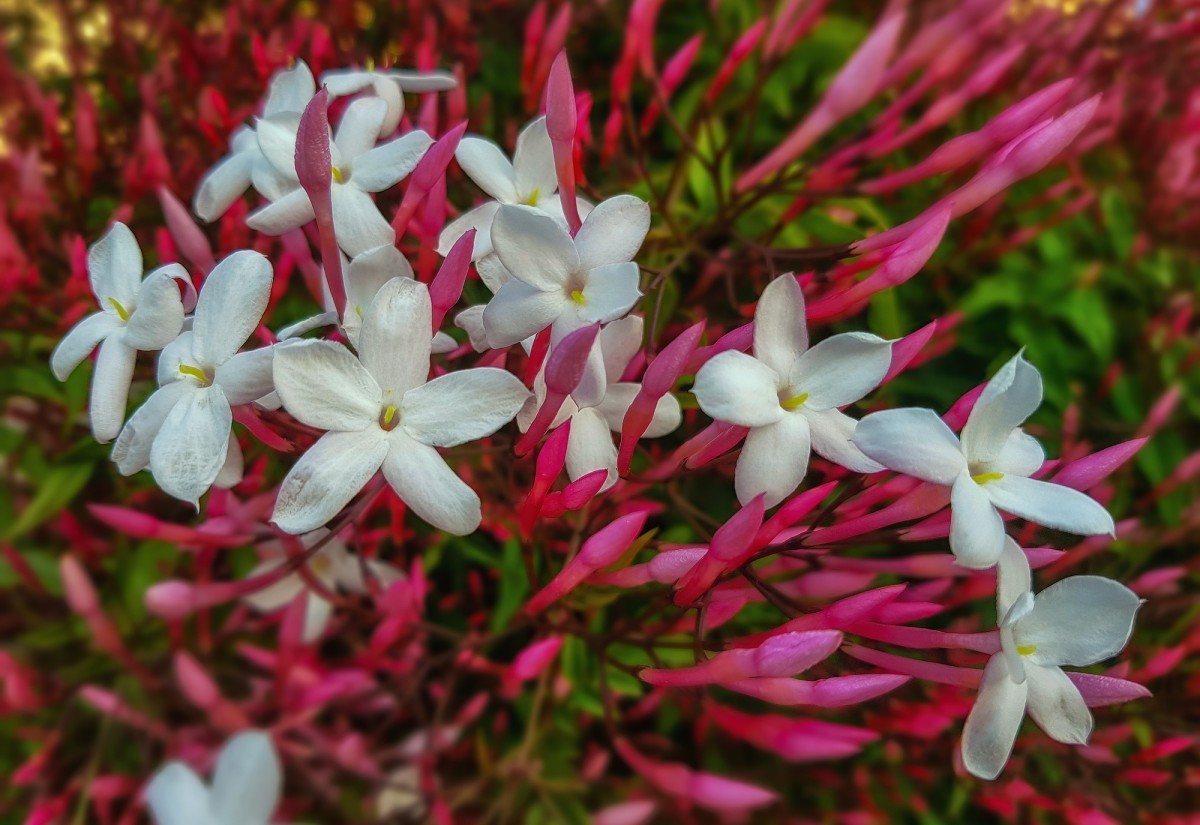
(289, 92)
(388, 84)
(359, 169)
(334, 566)
(135, 314)
(590, 444)
(246, 785)
(1078, 621)
(789, 395)
(182, 431)
(566, 283)
(528, 179)
(987, 470)
(380, 412)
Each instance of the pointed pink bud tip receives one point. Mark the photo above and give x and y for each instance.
(447, 285)
(567, 361)
(669, 364)
(195, 682)
(314, 166)
(437, 159)
(736, 536)
(791, 653)
(607, 545)
(553, 455)
(172, 600)
(721, 794)
(560, 101)
(533, 660)
(81, 595)
(1043, 144)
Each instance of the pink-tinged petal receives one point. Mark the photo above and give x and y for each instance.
(176, 796)
(831, 431)
(533, 174)
(1078, 621)
(395, 340)
(774, 460)
(611, 291)
(187, 236)
(485, 163)
(840, 370)
(446, 288)
(1012, 395)
(1099, 691)
(192, 444)
(461, 406)
(519, 311)
(78, 343)
(114, 265)
(1051, 505)
(326, 477)
(389, 163)
(613, 232)
(1085, 473)
(591, 447)
(110, 388)
(324, 386)
(359, 128)
(231, 305)
(533, 247)
(991, 727)
(976, 529)
(738, 389)
(247, 779)
(429, 487)
(288, 212)
(780, 325)
(1057, 706)
(159, 314)
(911, 441)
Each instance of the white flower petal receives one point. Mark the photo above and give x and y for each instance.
(480, 219)
(442, 344)
(422, 81)
(395, 340)
(912, 441)
(1021, 455)
(326, 477)
(247, 376)
(590, 447)
(290, 90)
(739, 389)
(492, 272)
(324, 386)
(231, 305)
(173, 356)
(222, 185)
(485, 163)
(831, 434)
(617, 399)
(1057, 706)
(277, 141)
(389, 163)
(471, 320)
(1051, 505)
(357, 222)
(518, 311)
(781, 325)
(976, 529)
(78, 343)
(533, 247)
(270, 182)
(461, 406)
(159, 314)
(232, 470)
(533, 164)
(247, 780)
(842, 369)
(110, 388)
(359, 128)
(342, 82)
(369, 271)
(613, 232)
(131, 452)
(288, 212)
(277, 595)
(192, 444)
(1012, 395)
(1078, 621)
(317, 613)
(306, 325)
(429, 487)
(611, 291)
(774, 460)
(1013, 577)
(620, 341)
(176, 796)
(991, 727)
(114, 265)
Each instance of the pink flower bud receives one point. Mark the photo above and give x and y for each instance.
(195, 683)
(576, 494)
(731, 546)
(561, 121)
(533, 660)
(446, 287)
(1087, 472)
(314, 168)
(602, 549)
(783, 655)
(929, 671)
(185, 233)
(429, 172)
(1099, 691)
(741, 49)
(837, 691)
(568, 361)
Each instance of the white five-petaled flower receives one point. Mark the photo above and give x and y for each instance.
(590, 445)
(359, 168)
(1078, 621)
(134, 315)
(789, 395)
(389, 85)
(290, 91)
(381, 412)
(335, 567)
(245, 788)
(988, 469)
(182, 432)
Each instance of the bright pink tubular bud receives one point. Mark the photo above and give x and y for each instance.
(429, 172)
(1099, 691)
(602, 549)
(1042, 145)
(741, 49)
(447, 285)
(737, 339)
(968, 677)
(195, 683)
(561, 122)
(1087, 472)
(791, 512)
(187, 236)
(549, 464)
(77, 585)
(731, 546)
(535, 28)
(837, 691)
(796, 740)
(908, 347)
(709, 791)
(725, 438)
(314, 168)
(637, 812)
(533, 660)
(778, 656)
(922, 638)
(673, 74)
(923, 500)
(576, 494)
(565, 367)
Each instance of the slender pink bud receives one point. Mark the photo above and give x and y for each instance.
(80, 593)
(637, 812)
(908, 347)
(602, 549)
(550, 461)
(658, 380)
(837, 691)
(731, 546)
(673, 74)
(187, 236)
(738, 52)
(314, 168)
(797, 740)
(1087, 472)
(561, 121)
(791, 512)
(922, 501)
(429, 172)
(925, 638)
(725, 439)
(929, 671)
(565, 367)
(737, 339)
(112, 705)
(706, 790)
(446, 287)
(195, 683)
(576, 494)
(1099, 691)
(533, 660)
(535, 28)
(783, 656)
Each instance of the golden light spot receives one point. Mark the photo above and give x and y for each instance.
(984, 478)
(795, 402)
(1026, 650)
(124, 313)
(578, 297)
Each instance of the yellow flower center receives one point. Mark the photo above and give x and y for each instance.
(370, 64)
(533, 197)
(578, 297)
(984, 478)
(338, 176)
(124, 313)
(1026, 650)
(388, 419)
(795, 402)
(194, 372)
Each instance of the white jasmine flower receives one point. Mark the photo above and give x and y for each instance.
(988, 469)
(789, 395)
(290, 91)
(135, 314)
(182, 431)
(388, 84)
(359, 169)
(245, 788)
(380, 412)
(590, 445)
(1078, 621)
(333, 565)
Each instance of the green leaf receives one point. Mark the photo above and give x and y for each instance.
(514, 585)
(59, 486)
